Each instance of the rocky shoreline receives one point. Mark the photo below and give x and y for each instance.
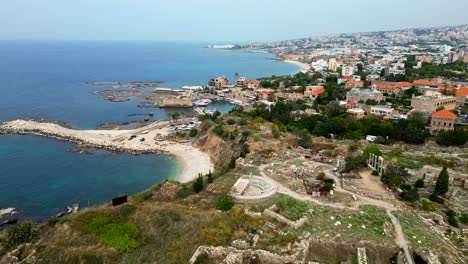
(79, 142)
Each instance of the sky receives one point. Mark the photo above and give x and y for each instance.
(217, 21)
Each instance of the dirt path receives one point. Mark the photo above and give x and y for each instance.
(361, 200)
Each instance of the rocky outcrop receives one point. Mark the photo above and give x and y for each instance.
(174, 102)
(219, 150)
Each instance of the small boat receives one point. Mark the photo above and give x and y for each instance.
(203, 102)
(146, 119)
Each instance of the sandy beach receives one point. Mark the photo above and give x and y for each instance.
(193, 161)
(304, 67)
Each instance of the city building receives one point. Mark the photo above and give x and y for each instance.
(382, 110)
(388, 88)
(443, 120)
(357, 112)
(218, 83)
(332, 64)
(430, 103)
(347, 70)
(254, 84)
(241, 82)
(362, 95)
(425, 85)
(462, 96)
(313, 91)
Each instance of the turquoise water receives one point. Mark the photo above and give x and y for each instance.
(41, 177)
(44, 79)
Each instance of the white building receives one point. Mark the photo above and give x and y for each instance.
(332, 64)
(347, 70)
(381, 110)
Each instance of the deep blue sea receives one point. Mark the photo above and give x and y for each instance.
(46, 79)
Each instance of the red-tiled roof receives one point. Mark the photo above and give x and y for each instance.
(254, 82)
(265, 92)
(406, 84)
(445, 114)
(318, 91)
(423, 82)
(351, 103)
(385, 86)
(462, 91)
(345, 77)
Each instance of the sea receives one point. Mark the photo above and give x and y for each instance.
(47, 80)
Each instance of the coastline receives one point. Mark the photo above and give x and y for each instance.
(304, 67)
(192, 160)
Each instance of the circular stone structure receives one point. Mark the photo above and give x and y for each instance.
(249, 189)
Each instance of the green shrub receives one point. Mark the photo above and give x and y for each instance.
(19, 234)
(115, 233)
(231, 121)
(292, 208)
(225, 202)
(143, 196)
(193, 132)
(353, 147)
(275, 131)
(184, 192)
(242, 122)
(328, 187)
(427, 205)
(372, 149)
(435, 198)
(232, 163)
(410, 195)
(464, 218)
(375, 173)
(197, 185)
(419, 183)
(127, 210)
(452, 221)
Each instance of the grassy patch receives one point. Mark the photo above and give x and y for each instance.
(291, 208)
(143, 196)
(410, 164)
(415, 230)
(115, 233)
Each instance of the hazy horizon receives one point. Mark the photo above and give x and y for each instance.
(216, 21)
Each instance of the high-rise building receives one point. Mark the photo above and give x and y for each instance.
(332, 64)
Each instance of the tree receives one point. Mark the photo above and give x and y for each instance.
(394, 176)
(328, 187)
(210, 177)
(457, 137)
(197, 185)
(410, 195)
(232, 163)
(225, 202)
(442, 183)
(372, 149)
(419, 183)
(304, 139)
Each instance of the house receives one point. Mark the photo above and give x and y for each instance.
(218, 83)
(382, 110)
(354, 84)
(254, 84)
(343, 79)
(357, 112)
(405, 85)
(425, 85)
(462, 96)
(362, 95)
(443, 120)
(313, 91)
(241, 82)
(388, 88)
(430, 103)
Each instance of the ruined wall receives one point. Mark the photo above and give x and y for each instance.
(335, 252)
